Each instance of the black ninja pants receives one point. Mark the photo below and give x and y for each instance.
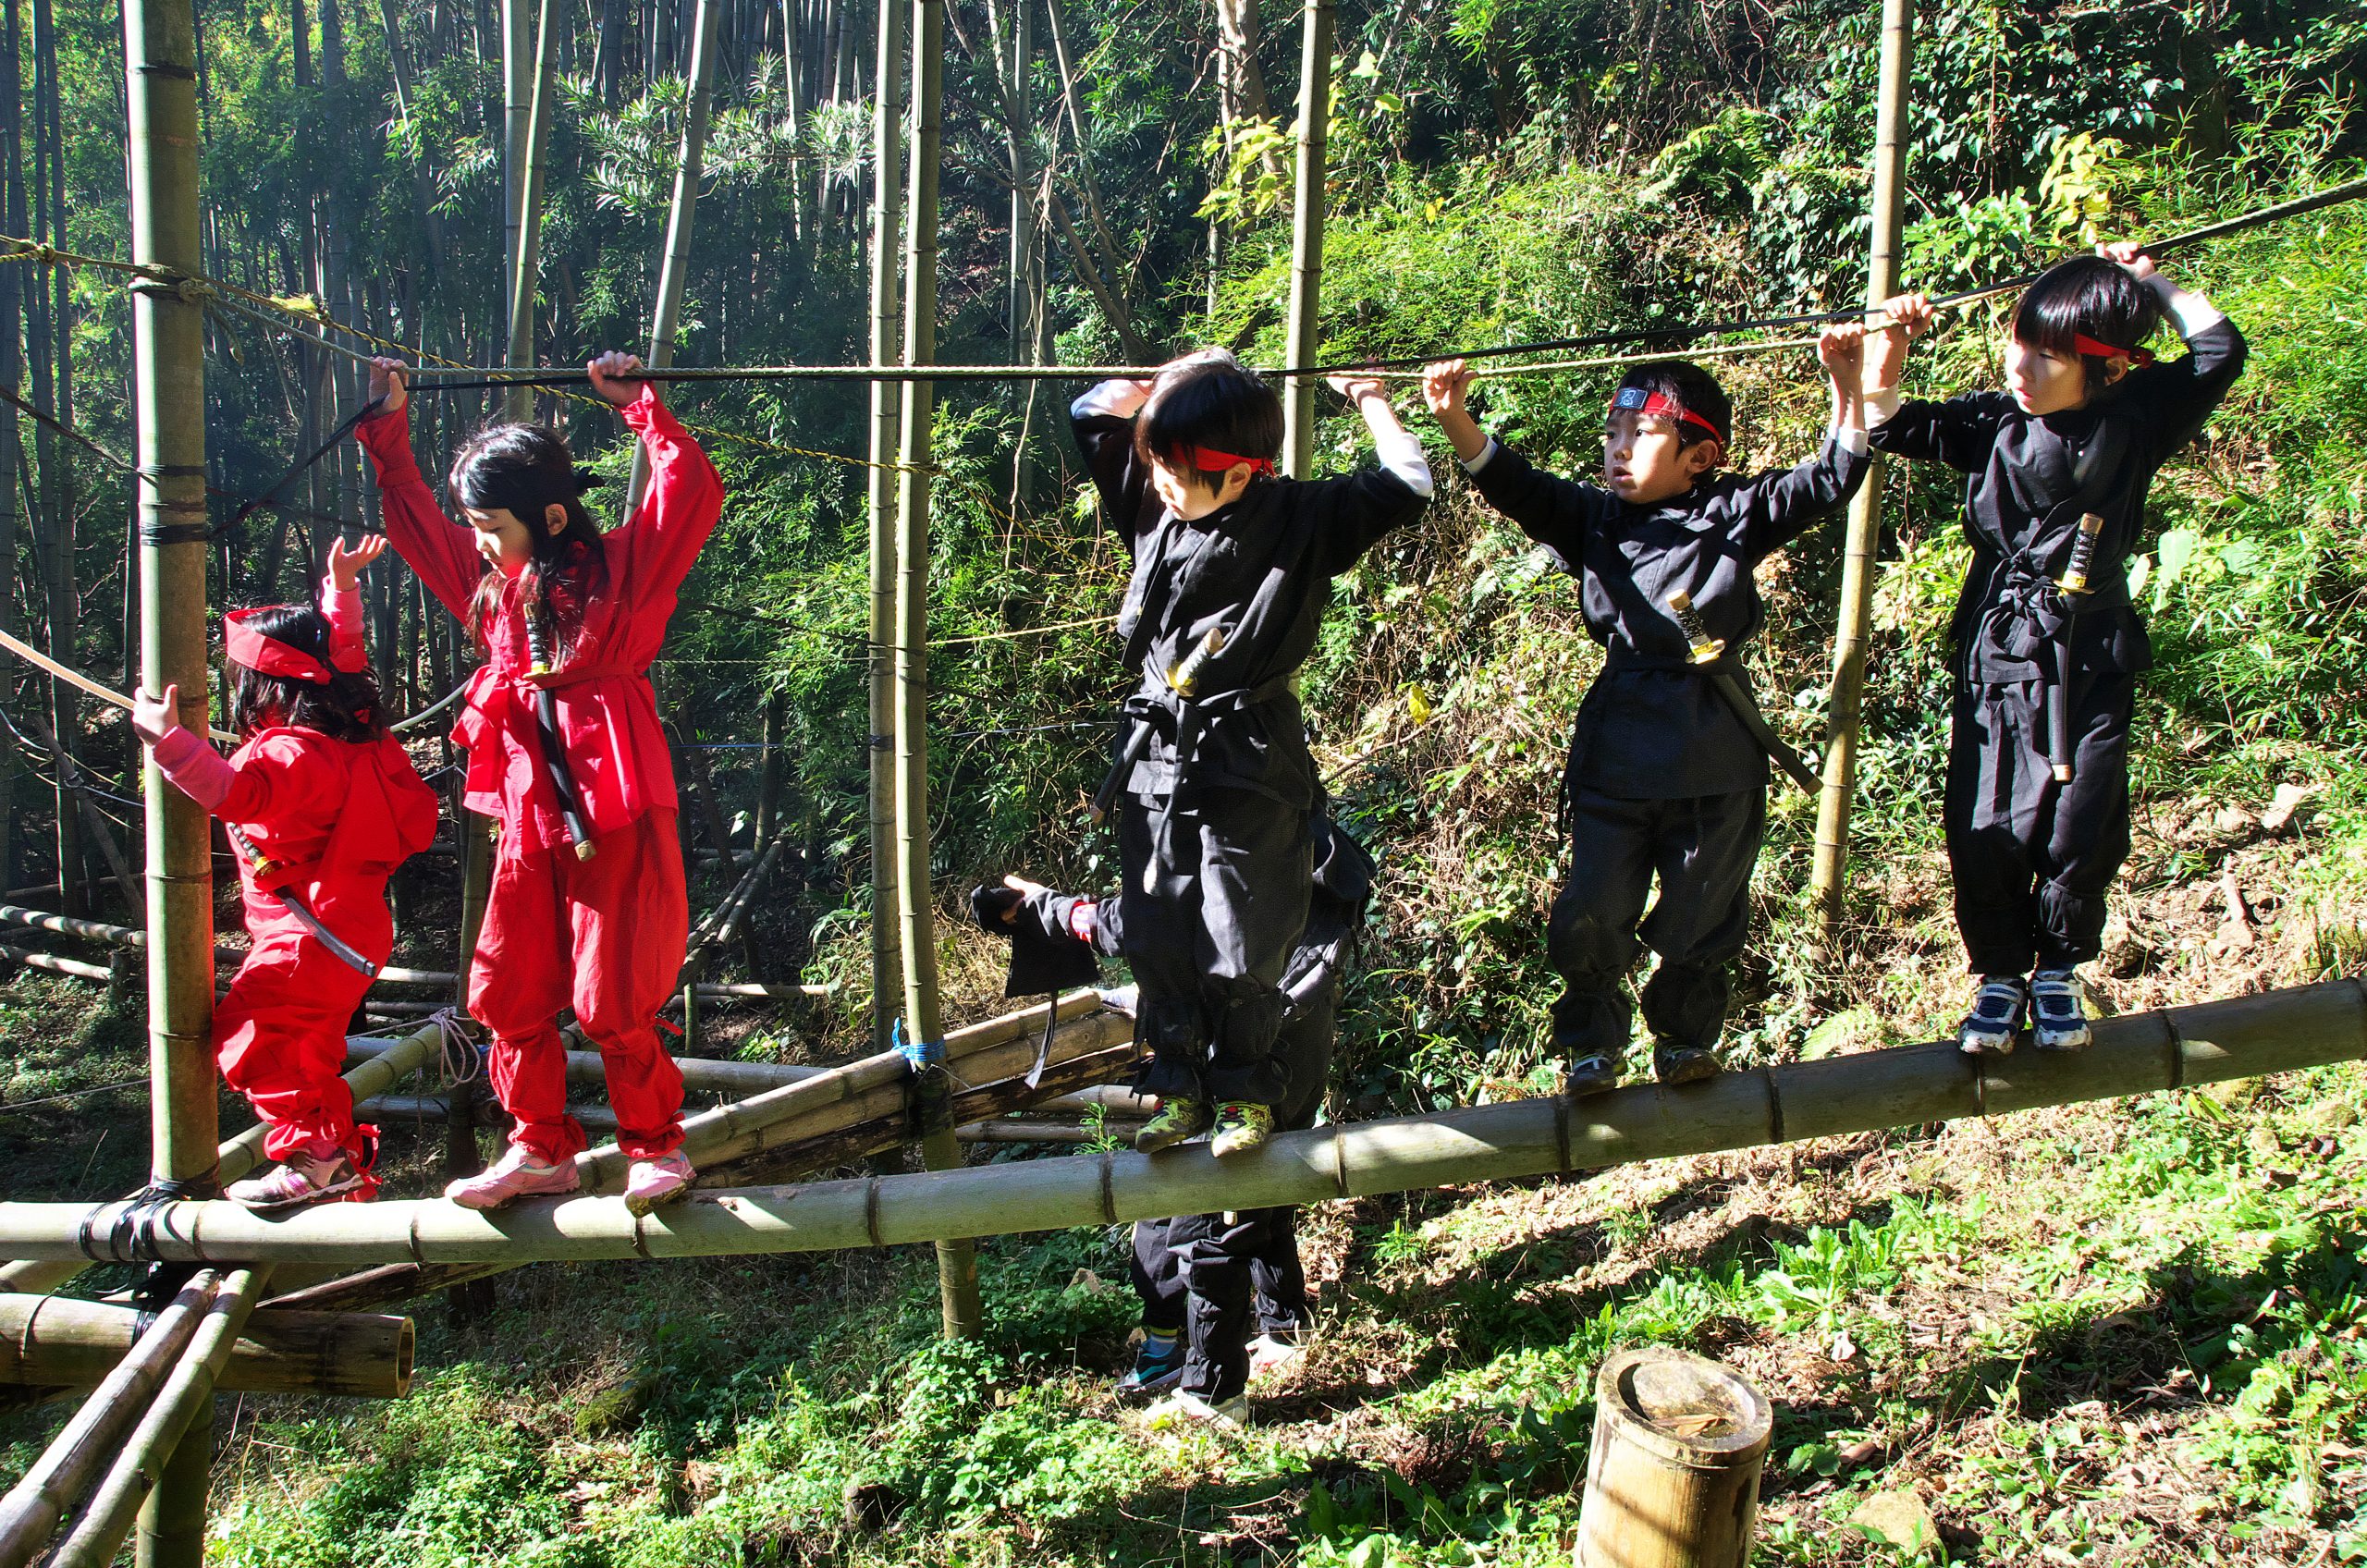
(2033, 858)
(1702, 849)
(1209, 951)
(1216, 1279)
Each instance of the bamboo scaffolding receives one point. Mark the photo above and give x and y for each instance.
(243, 1153)
(881, 499)
(168, 385)
(29, 1514)
(957, 1263)
(153, 1457)
(1828, 877)
(2274, 1032)
(821, 1138)
(54, 1342)
(132, 938)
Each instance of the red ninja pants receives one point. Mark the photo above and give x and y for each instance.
(605, 935)
(279, 1033)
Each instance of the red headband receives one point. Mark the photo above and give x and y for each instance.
(266, 654)
(1636, 400)
(1207, 460)
(2088, 345)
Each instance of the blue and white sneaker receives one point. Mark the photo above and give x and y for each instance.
(1159, 1366)
(1998, 1008)
(2058, 1011)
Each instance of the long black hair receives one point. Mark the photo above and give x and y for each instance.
(2092, 296)
(1211, 402)
(525, 470)
(348, 708)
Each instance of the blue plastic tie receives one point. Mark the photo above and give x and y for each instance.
(921, 1053)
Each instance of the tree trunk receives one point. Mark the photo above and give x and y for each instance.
(423, 177)
(887, 180)
(524, 268)
(607, 70)
(49, 344)
(1237, 36)
(12, 212)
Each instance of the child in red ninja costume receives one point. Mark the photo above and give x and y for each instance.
(323, 805)
(588, 907)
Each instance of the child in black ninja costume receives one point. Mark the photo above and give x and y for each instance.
(1206, 1280)
(1214, 784)
(2047, 647)
(1667, 770)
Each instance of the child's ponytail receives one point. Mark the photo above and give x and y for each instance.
(525, 470)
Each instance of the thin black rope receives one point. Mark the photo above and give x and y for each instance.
(428, 378)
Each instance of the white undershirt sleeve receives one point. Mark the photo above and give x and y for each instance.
(1400, 452)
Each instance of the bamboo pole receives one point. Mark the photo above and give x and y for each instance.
(33, 959)
(243, 1153)
(886, 182)
(1827, 879)
(2176, 1048)
(957, 1261)
(517, 113)
(139, 1484)
(169, 375)
(525, 256)
(1306, 236)
(133, 937)
(857, 1124)
(674, 273)
(29, 1514)
(58, 1343)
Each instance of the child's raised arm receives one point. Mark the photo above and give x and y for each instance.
(1399, 452)
(1445, 389)
(442, 552)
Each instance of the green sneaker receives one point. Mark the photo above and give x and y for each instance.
(1241, 1128)
(1178, 1119)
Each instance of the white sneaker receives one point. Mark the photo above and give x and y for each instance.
(1180, 1409)
(1269, 1353)
(1998, 1009)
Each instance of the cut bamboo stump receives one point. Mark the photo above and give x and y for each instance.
(1673, 1478)
(56, 1343)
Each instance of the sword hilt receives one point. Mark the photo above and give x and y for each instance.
(2083, 555)
(1706, 648)
(1184, 678)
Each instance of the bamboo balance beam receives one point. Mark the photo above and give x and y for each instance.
(830, 1129)
(56, 1342)
(238, 1156)
(2275, 1032)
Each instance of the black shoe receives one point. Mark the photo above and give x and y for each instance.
(1596, 1075)
(1683, 1064)
(2058, 1013)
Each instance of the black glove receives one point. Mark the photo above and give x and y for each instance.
(992, 908)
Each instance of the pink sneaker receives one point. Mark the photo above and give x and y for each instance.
(653, 1182)
(301, 1181)
(515, 1175)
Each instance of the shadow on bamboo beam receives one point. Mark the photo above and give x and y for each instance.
(2276, 1032)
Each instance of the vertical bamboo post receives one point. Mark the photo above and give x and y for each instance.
(517, 109)
(525, 259)
(690, 163)
(1306, 236)
(768, 770)
(1673, 1475)
(887, 186)
(1827, 879)
(957, 1261)
(168, 373)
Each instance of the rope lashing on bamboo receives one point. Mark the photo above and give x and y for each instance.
(2173, 1049)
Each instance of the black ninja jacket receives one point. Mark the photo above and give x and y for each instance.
(1652, 727)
